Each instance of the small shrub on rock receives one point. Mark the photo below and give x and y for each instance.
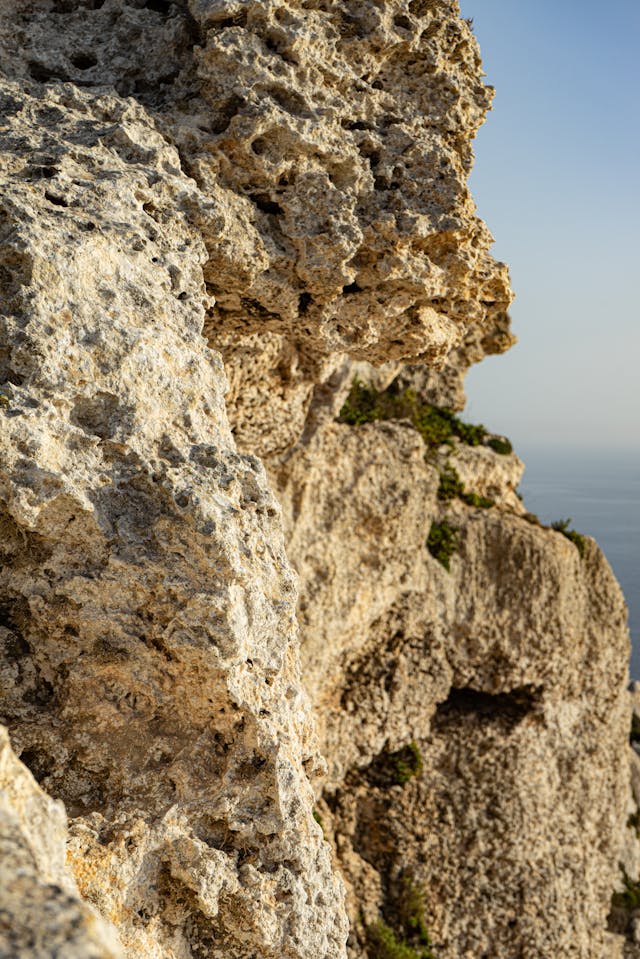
(436, 425)
(578, 540)
(442, 542)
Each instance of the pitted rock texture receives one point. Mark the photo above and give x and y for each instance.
(43, 916)
(331, 143)
(287, 181)
(494, 670)
(150, 676)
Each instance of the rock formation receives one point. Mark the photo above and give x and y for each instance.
(233, 230)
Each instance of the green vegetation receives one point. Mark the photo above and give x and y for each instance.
(633, 822)
(481, 502)
(412, 912)
(384, 944)
(442, 542)
(579, 541)
(318, 819)
(501, 445)
(532, 518)
(413, 942)
(451, 486)
(629, 898)
(435, 425)
(406, 763)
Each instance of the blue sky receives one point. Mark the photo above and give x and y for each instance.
(557, 179)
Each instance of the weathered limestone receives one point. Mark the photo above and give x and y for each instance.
(494, 669)
(150, 673)
(287, 178)
(42, 913)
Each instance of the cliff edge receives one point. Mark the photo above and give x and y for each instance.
(288, 670)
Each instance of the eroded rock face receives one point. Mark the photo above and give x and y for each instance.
(331, 143)
(290, 179)
(150, 677)
(493, 669)
(42, 913)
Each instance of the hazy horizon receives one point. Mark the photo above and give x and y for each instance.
(555, 180)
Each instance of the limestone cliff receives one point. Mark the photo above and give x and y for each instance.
(232, 230)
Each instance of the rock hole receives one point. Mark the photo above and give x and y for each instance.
(68, 6)
(150, 210)
(259, 146)
(55, 199)
(349, 27)
(419, 7)
(159, 6)
(290, 101)
(275, 44)
(226, 112)
(511, 706)
(84, 61)
(402, 22)
(351, 288)
(304, 302)
(264, 203)
(43, 172)
(40, 695)
(237, 20)
(43, 74)
(38, 762)
(356, 125)
(96, 415)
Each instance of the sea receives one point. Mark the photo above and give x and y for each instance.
(600, 491)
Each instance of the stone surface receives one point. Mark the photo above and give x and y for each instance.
(331, 143)
(150, 676)
(42, 915)
(495, 669)
(287, 178)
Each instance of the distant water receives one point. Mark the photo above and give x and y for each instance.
(600, 491)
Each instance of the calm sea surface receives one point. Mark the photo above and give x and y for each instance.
(601, 493)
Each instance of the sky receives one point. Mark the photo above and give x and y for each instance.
(557, 179)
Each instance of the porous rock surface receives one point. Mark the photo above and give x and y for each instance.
(150, 675)
(493, 669)
(288, 178)
(41, 911)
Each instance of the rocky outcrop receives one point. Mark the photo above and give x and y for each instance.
(150, 677)
(491, 670)
(217, 217)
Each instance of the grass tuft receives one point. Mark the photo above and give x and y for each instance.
(406, 763)
(413, 941)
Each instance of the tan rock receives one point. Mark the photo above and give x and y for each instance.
(150, 675)
(42, 912)
(290, 178)
(508, 672)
